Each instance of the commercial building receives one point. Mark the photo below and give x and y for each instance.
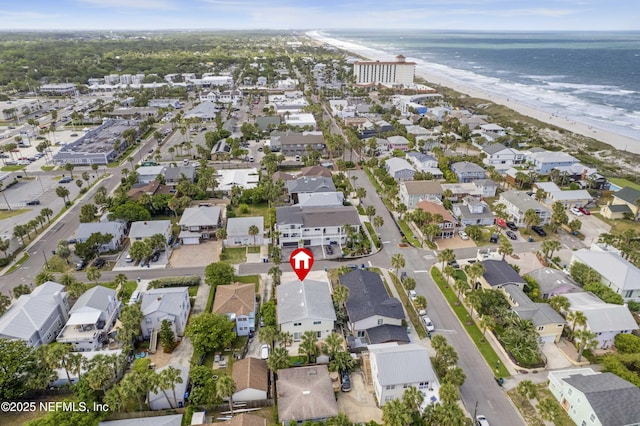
(371, 73)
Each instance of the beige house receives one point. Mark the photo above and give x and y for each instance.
(548, 322)
(624, 202)
(238, 302)
(412, 192)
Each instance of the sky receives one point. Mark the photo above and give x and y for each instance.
(489, 15)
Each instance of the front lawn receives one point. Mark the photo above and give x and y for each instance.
(235, 255)
(408, 233)
(246, 279)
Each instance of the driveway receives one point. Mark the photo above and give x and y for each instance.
(359, 404)
(196, 255)
(592, 227)
(454, 243)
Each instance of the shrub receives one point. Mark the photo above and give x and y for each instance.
(188, 281)
(627, 343)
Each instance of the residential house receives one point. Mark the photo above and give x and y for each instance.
(369, 305)
(417, 130)
(282, 175)
(606, 320)
(147, 174)
(599, 399)
(492, 129)
(308, 185)
(163, 398)
(199, 223)
(269, 123)
(305, 394)
(38, 317)
(238, 302)
(395, 368)
(617, 273)
(412, 192)
(244, 178)
(305, 306)
(398, 142)
(545, 161)
(315, 171)
(387, 333)
(251, 377)
(399, 168)
(174, 175)
(466, 171)
(205, 111)
(586, 177)
(548, 323)
(295, 143)
(553, 282)
(320, 199)
(625, 202)
(480, 188)
(90, 320)
(301, 120)
(117, 230)
(473, 212)
(518, 202)
(497, 274)
(152, 188)
(497, 153)
(244, 419)
(448, 223)
(171, 304)
(425, 163)
(569, 198)
(238, 231)
(315, 226)
(148, 228)
(171, 420)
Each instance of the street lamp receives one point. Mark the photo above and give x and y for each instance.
(45, 259)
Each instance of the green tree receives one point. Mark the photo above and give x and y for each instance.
(167, 337)
(21, 371)
(210, 332)
(549, 409)
(549, 247)
(21, 289)
(219, 273)
(131, 318)
(309, 346)
(268, 313)
(455, 376)
(340, 294)
(583, 274)
(527, 389)
(47, 212)
(253, 231)
(576, 318)
(531, 218)
(445, 256)
(342, 362)
(575, 225)
(5, 301)
(505, 248)
(275, 273)
(585, 339)
(225, 388)
(334, 343)
(474, 273)
(397, 262)
(4, 245)
(395, 413)
(278, 360)
(93, 274)
(63, 193)
(168, 379)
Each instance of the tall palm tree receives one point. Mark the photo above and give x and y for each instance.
(397, 261)
(559, 303)
(169, 378)
(395, 413)
(334, 343)
(585, 339)
(549, 247)
(225, 388)
(446, 255)
(505, 248)
(340, 294)
(253, 231)
(576, 318)
(412, 398)
(308, 346)
(278, 360)
(474, 272)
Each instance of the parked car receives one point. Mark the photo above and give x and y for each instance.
(99, 262)
(428, 324)
(512, 226)
(539, 230)
(584, 211)
(264, 352)
(65, 179)
(80, 265)
(463, 235)
(413, 295)
(129, 259)
(73, 135)
(345, 382)
(512, 235)
(329, 250)
(155, 256)
(481, 420)
(576, 211)
(33, 203)
(494, 238)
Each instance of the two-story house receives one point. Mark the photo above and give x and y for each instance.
(472, 211)
(606, 320)
(238, 302)
(625, 202)
(447, 223)
(616, 272)
(466, 171)
(315, 226)
(38, 317)
(199, 223)
(305, 306)
(548, 323)
(498, 154)
(497, 274)
(598, 399)
(545, 161)
(412, 192)
(399, 168)
(369, 305)
(117, 230)
(90, 320)
(398, 142)
(174, 175)
(159, 304)
(395, 368)
(141, 230)
(308, 185)
(518, 202)
(425, 163)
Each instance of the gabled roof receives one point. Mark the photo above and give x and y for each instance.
(305, 393)
(435, 208)
(522, 201)
(368, 297)
(466, 167)
(167, 300)
(172, 420)
(601, 316)
(628, 195)
(499, 272)
(614, 400)
(308, 299)
(618, 208)
(552, 281)
(399, 364)
(619, 271)
(418, 187)
(98, 298)
(315, 171)
(238, 299)
(239, 226)
(250, 373)
(321, 199)
(86, 229)
(396, 164)
(397, 140)
(175, 173)
(317, 216)
(494, 148)
(387, 333)
(200, 216)
(281, 175)
(310, 184)
(147, 228)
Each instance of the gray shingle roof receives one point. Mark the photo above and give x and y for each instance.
(174, 173)
(310, 184)
(317, 216)
(499, 272)
(200, 216)
(305, 393)
(615, 401)
(368, 297)
(552, 281)
(97, 297)
(147, 228)
(168, 300)
(399, 364)
(86, 229)
(466, 167)
(628, 194)
(239, 226)
(387, 333)
(305, 300)
(494, 148)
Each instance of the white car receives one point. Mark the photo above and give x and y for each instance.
(413, 295)
(481, 420)
(264, 351)
(463, 235)
(428, 324)
(575, 211)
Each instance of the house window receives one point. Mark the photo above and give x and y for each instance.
(388, 398)
(390, 387)
(570, 391)
(592, 418)
(406, 385)
(319, 334)
(360, 333)
(297, 324)
(380, 321)
(317, 322)
(584, 423)
(147, 320)
(541, 328)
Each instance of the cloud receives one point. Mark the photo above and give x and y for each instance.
(25, 15)
(131, 4)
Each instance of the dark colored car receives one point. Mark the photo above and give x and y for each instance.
(494, 238)
(512, 226)
(345, 382)
(65, 179)
(539, 230)
(584, 211)
(512, 235)
(33, 202)
(99, 263)
(155, 257)
(80, 265)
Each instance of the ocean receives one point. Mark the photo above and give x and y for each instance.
(587, 77)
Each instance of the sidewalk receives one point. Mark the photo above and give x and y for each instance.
(413, 334)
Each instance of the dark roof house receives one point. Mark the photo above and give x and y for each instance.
(499, 273)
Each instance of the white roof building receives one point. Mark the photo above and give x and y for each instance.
(244, 178)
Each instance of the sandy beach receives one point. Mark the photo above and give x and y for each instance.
(619, 142)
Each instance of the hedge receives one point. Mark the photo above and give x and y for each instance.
(188, 281)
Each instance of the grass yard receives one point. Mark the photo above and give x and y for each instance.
(465, 318)
(530, 413)
(12, 168)
(246, 279)
(408, 234)
(6, 214)
(19, 263)
(618, 226)
(235, 255)
(623, 182)
(47, 168)
(408, 306)
(374, 236)
(261, 209)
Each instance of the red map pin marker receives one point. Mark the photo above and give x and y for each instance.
(301, 261)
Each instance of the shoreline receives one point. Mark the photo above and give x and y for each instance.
(616, 141)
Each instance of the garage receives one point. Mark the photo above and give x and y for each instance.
(189, 238)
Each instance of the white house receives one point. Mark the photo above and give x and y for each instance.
(598, 399)
(606, 320)
(158, 400)
(238, 302)
(199, 223)
(148, 228)
(238, 231)
(171, 304)
(518, 202)
(305, 306)
(251, 377)
(497, 153)
(545, 161)
(90, 320)
(395, 368)
(300, 120)
(244, 178)
(148, 174)
(315, 226)
(38, 317)
(118, 230)
(617, 273)
(473, 212)
(412, 192)
(399, 168)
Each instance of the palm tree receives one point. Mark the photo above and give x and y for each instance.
(397, 261)
(461, 286)
(446, 255)
(474, 272)
(395, 413)
(505, 248)
(549, 247)
(487, 322)
(340, 294)
(169, 378)
(285, 338)
(449, 271)
(63, 193)
(559, 303)
(527, 389)
(412, 398)
(531, 218)
(47, 212)
(276, 273)
(420, 303)
(253, 231)
(268, 335)
(308, 346)
(278, 360)
(225, 388)
(448, 393)
(586, 339)
(576, 318)
(334, 343)
(378, 222)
